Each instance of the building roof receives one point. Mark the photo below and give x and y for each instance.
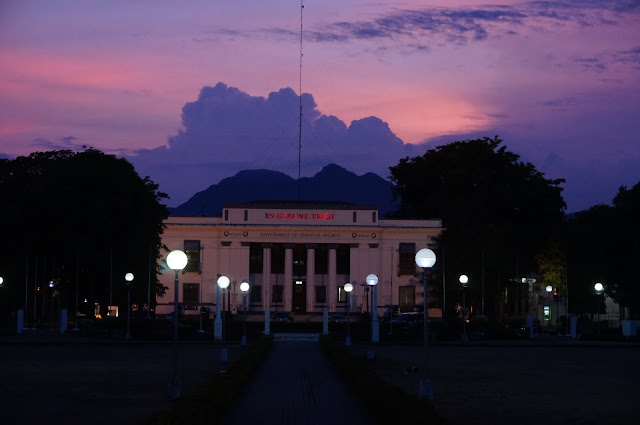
(301, 205)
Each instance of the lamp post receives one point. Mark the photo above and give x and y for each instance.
(464, 280)
(51, 309)
(244, 287)
(425, 259)
(372, 280)
(223, 283)
(549, 288)
(129, 278)
(598, 287)
(176, 260)
(348, 288)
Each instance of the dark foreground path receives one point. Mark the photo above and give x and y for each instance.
(297, 386)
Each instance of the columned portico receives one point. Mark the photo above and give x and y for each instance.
(311, 271)
(332, 288)
(266, 276)
(288, 276)
(296, 255)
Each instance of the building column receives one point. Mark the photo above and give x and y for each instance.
(288, 277)
(332, 296)
(266, 276)
(354, 272)
(311, 274)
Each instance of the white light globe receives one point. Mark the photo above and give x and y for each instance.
(128, 277)
(1, 280)
(372, 280)
(348, 287)
(425, 258)
(549, 288)
(598, 286)
(223, 282)
(244, 286)
(464, 278)
(177, 260)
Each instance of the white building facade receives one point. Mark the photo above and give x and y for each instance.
(296, 257)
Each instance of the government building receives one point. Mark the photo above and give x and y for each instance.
(296, 257)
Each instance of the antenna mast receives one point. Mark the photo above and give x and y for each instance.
(300, 100)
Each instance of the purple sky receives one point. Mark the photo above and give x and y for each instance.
(194, 91)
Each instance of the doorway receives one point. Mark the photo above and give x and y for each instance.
(407, 300)
(299, 299)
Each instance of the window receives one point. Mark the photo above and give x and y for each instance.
(374, 215)
(299, 260)
(406, 262)
(355, 216)
(277, 258)
(255, 294)
(321, 294)
(321, 259)
(192, 249)
(342, 295)
(278, 291)
(191, 296)
(343, 259)
(246, 215)
(255, 258)
(226, 215)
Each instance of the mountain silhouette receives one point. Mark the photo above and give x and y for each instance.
(332, 183)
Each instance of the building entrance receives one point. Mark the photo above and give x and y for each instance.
(299, 299)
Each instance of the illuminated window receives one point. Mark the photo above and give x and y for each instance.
(192, 249)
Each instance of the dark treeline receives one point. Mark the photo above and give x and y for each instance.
(504, 221)
(78, 220)
(85, 219)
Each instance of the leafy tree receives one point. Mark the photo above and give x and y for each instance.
(80, 219)
(498, 213)
(604, 246)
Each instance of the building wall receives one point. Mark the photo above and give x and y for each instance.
(225, 247)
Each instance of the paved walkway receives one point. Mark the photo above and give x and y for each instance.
(297, 385)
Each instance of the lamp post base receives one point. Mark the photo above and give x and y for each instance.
(243, 341)
(217, 329)
(175, 388)
(425, 391)
(224, 355)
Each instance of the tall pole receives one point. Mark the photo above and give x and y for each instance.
(444, 288)
(110, 281)
(35, 294)
(77, 286)
(175, 385)
(26, 290)
(243, 342)
(149, 284)
(425, 390)
(201, 281)
(482, 305)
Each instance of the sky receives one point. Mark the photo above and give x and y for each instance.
(194, 91)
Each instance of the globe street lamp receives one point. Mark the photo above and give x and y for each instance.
(598, 287)
(129, 278)
(372, 280)
(176, 260)
(464, 280)
(425, 259)
(348, 288)
(223, 283)
(244, 287)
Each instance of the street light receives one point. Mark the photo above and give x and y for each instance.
(51, 309)
(464, 280)
(348, 288)
(425, 259)
(598, 287)
(129, 278)
(244, 287)
(372, 280)
(223, 283)
(176, 260)
(547, 313)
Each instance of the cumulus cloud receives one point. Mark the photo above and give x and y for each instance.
(226, 130)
